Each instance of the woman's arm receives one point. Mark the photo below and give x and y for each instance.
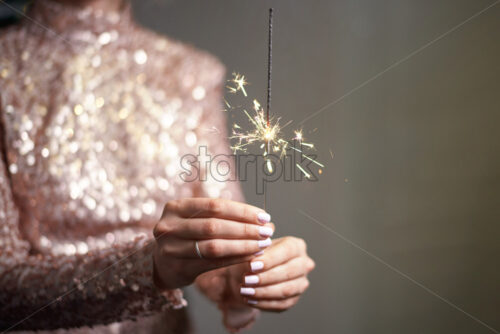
(47, 292)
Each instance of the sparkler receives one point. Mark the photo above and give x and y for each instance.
(263, 130)
(266, 136)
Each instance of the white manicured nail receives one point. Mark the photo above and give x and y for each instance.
(252, 302)
(251, 279)
(259, 253)
(264, 217)
(265, 231)
(264, 243)
(256, 265)
(247, 291)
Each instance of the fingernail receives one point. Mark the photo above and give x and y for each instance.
(256, 265)
(259, 253)
(247, 291)
(251, 279)
(264, 217)
(264, 243)
(265, 231)
(252, 302)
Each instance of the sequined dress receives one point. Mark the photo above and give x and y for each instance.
(96, 113)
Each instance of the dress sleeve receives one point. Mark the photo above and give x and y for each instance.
(48, 292)
(219, 178)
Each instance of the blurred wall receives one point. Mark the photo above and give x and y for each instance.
(415, 173)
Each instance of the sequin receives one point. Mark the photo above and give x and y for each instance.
(30, 160)
(140, 57)
(13, 168)
(78, 109)
(4, 73)
(198, 93)
(104, 38)
(190, 139)
(45, 152)
(25, 56)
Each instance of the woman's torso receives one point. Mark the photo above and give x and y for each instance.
(96, 114)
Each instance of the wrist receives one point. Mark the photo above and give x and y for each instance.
(236, 314)
(174, 296)
(237, 317)
(213, 284)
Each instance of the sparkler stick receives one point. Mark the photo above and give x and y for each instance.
(269, 64)
(268, 106)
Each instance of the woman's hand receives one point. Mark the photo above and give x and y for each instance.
(227, 232)
(275, 280)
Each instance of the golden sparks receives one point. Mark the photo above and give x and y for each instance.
(239, 82)
(266, 135)
(298, 135)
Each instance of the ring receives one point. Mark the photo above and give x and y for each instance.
(197, 248)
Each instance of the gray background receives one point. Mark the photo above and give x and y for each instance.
(415, 175)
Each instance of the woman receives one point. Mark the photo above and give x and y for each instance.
(96, 113)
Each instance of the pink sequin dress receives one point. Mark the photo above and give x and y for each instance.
(96, 113)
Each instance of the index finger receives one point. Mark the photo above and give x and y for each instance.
(218, 208)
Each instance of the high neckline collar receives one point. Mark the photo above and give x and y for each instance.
(64, 18)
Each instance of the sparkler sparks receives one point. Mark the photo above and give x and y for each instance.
(266, 135)
(260, 132)
(298, 136)
(239, 82)
(265, 131)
